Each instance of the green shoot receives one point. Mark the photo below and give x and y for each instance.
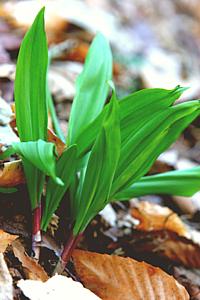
(65, 169)
(91, 87)
(31, 106)
(110, 148)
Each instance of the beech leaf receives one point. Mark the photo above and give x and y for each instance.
(114, 277)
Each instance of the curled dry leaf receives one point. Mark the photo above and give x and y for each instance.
(56, 287)
(53, 138)
(78, 53)
(114, 277)
(6, 285)
(33, 269)
(155, 217)
(11, 174)
(163, 244)
(182, 251)
(5, 240)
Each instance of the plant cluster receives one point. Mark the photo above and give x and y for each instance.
(109, 147)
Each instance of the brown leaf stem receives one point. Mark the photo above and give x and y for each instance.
(66, 253)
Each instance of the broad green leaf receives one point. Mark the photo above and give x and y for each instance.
(100, 169)
(91, 87)
(41, 155)
(171, 136)
(30, 83)
(6, 190)
(139, 107)
(138, 154)
(135, 110)
(30, 99)
(179, 183)
(65, 169)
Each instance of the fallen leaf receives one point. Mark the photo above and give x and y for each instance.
(190, 279)
(114, 277)
(5, 240)
(181, 250)
(5, 112)
(59, 14)
(7, 136)
(162, 244)
(11, 173)
(56, 287)
(78, 53)
(188, 205)
(53, 138)
(34, 270)
(6, 284)
(155, 217)
(13, 12)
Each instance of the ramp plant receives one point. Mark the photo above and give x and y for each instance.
(109, 148)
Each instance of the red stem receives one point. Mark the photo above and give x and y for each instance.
(67, 252)
(36, 232)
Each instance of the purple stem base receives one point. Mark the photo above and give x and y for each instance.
(66, 254)
(36, 232)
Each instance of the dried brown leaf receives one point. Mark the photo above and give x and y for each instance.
(6, 285)
(163, 244)
(34, 270)
(182, 251)
(53, 138)
(155, 217)
(190, 279)
(5, 240)
(11, 174)
(114, 277)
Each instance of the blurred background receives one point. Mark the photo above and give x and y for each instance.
(154, 44)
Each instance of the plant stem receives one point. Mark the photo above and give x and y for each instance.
(36, 232)
(66, 253)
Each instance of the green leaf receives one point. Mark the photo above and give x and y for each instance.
(179, 183)
(30, 83)
(140, 107)
(35, 180)
(135, 110)
(6, 190)
(100, 170)
(91, 87)
(30, 99)
(139, 153)
(41, 155)
(65, 169)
